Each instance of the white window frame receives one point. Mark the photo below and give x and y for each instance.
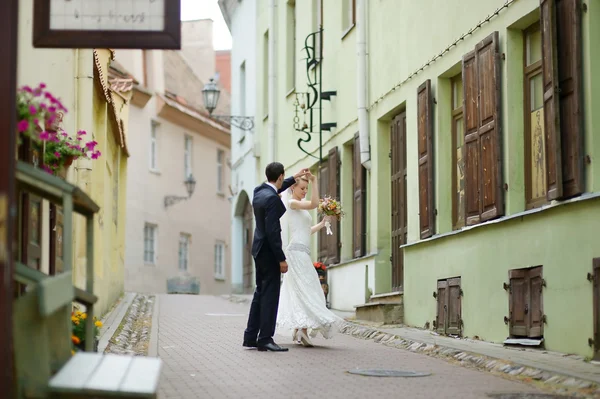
(188, 151)
(153, 149)
(150, 243)
(220, 170)
(219, 260)
(184, 251)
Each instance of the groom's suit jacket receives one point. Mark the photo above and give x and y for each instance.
(268, 209)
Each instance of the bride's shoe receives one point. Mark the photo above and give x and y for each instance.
(304, 339)
(295, 336)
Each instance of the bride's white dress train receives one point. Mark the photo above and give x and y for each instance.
(302, 304)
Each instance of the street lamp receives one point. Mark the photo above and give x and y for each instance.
(190, 185)
(211, 93)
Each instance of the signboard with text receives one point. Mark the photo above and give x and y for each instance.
(133, 24)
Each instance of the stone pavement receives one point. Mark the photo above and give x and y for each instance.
(199, 341)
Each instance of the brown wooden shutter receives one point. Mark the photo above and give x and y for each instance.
(323, 182)
(333, 187)
(568, 27)
(454, 307)
(551, 100)
(490, 129)
(425, 147)
(358, 211)
(471, 146)
(398, 183)
(596, 305)
(442, 297)
(536, 312)
(518, 296)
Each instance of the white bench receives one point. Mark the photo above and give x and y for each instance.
(106, 376)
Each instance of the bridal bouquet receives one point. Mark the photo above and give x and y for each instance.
(330, 207)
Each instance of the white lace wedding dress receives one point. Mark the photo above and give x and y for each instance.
(302, 303)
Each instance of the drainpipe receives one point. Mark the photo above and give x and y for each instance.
(361, 68)
(272, 80)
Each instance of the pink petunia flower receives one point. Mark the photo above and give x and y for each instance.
(57, 154)
(32, 110)
(96, 155)
(23, 125)
(91, 145)
(81, 133)
(44, 136)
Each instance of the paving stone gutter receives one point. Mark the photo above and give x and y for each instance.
(132, 336)
(548, 380)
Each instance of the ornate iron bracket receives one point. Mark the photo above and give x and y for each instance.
(242, 122)
(173, 199)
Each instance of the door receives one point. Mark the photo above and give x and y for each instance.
(248, 267)
(398, 188)
(448, 319)
(525, 303)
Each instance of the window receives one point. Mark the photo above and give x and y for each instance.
(329, 184)
(348, 14)
(266, 74)
(150, 244)
(448, 316)
(484, 189)
(359, 216)
(525, 302)
(153, 146)
(220, 170)
(458, 162)
(187, 157)
(535, 142)
(184, 246)
(220, 260)
(563, 119)
(425, 148)
(291, 45)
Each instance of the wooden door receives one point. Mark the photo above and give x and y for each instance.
(596, 281)
(442, 307)
(398, 182)
(525, 302)
(56, 239)
(248, 266)
(359, 215)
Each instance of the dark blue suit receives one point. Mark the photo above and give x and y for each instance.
(267, 252)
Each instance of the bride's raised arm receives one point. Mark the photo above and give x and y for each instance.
(314, 197)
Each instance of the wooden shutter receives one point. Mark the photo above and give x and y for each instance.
(359, 208)
(454, 307)
(596, 306)
(518, 296)
(488, 71)
(442, 306)
(333, 187)
(551, 100)
(398, 183)
(536, 311)
(323, 182)
(425, 147)
(568, 28)
(471, 146)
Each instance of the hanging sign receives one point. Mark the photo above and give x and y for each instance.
(131, 24)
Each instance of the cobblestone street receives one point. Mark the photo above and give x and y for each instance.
(199, 340)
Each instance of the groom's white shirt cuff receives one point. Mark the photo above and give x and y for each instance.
(272, 186)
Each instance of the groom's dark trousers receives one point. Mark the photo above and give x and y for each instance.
(267, 252)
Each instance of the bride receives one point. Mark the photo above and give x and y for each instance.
(302, 304)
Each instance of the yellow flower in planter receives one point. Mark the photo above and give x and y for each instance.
(98, 324)
(74, 319)
(84, 316)
(75, 339)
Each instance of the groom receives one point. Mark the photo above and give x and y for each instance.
(268, 258)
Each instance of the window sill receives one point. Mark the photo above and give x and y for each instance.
(149, 264)
(551, 205)
(220, 278)
(290, 92)
(154, 171)
(352, 261)
(220, 194)
(348, 30)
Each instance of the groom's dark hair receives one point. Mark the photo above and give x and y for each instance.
(273, 171)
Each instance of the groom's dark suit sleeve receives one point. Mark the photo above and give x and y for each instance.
(287, 183)
(273, 227)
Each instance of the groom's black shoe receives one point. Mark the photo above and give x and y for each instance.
(271, 346)
(250, 344)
